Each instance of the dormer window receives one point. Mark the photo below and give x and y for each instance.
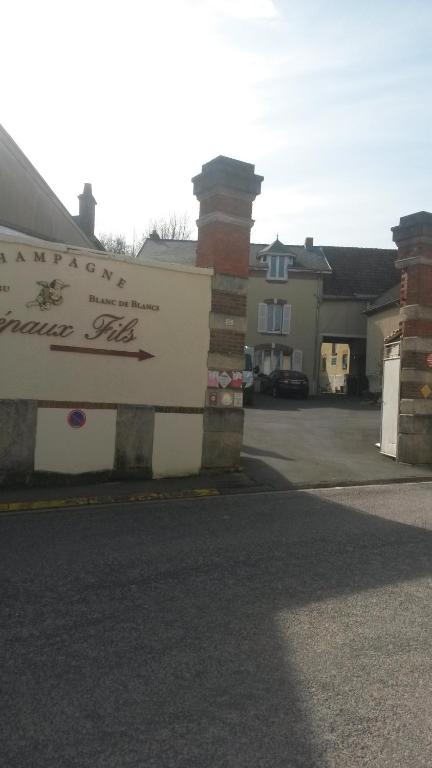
(277, 268)
(277, 258)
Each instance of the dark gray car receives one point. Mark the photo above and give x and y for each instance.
(285, 383)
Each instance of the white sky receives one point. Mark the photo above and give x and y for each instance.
(330, 99)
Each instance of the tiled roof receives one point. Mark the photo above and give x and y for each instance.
(386, 299)
(276, 248)
(184, 252)
(350, 272)
(305, 259)
(171, 251)
(360, 272)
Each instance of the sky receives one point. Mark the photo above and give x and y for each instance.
(329, 99)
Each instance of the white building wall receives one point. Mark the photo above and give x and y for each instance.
(71, 450)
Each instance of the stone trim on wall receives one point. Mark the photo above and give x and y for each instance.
(413, 237)
(75, 404)
(115, 406)
(227, 341)
(227, 303)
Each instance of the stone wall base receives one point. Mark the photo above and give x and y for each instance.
(415, 448)
(38, 445)
(223, 437)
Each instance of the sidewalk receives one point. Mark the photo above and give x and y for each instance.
(62, 496)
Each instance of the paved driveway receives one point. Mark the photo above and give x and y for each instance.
(326, 440)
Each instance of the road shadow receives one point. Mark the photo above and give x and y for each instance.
(251, 450)
(150, 636)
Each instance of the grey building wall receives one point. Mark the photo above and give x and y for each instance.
(28, 204)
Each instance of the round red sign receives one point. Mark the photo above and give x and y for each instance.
(76, 418)
(429, 359)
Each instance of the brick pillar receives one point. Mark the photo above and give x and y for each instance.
(413, 238)
(226, 189)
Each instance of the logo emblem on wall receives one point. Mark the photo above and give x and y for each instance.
(50, 294)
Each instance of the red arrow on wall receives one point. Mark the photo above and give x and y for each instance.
(139, 355)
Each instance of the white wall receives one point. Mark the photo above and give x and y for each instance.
(63, 448)
(177, 333)
(177, 444)
(379, 325)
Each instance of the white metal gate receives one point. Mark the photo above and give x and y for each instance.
(390, 399)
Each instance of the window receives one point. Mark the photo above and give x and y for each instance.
(324, 364)
(277, 268)
(333, 359)
(345, 361)
(274, 316)
(297, 360)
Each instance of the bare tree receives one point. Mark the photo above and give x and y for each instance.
(175, 226)
(115, 243)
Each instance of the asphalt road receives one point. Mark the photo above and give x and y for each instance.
(327, 440)
(279, 629)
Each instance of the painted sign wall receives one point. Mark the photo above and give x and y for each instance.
(82, 326)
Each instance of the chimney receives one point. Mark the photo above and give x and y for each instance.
(154, 236)
(226, 189)
(87, 205)
(308, 243)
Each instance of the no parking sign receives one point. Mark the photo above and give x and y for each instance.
(76, 418)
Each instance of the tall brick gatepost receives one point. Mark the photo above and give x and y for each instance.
(413, 238)
(225, 189)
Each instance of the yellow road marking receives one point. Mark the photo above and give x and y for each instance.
(86, 501)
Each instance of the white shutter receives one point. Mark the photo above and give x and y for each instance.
(286, 320)
(297, 360)
(262, 317)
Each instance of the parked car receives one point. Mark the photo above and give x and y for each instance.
(283, 383)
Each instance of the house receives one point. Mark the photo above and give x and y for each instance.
(358, 276)
(283, 294)
(382, 317)
(302, 298)
(28, 204)
(335, 364)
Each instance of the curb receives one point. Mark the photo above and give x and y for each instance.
(87, 501)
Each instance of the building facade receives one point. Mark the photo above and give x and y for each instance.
(301, 297)
(113, 367)
(382, 317)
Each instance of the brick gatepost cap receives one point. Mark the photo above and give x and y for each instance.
(226, 172)
(413, 226)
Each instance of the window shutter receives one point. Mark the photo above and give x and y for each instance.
(286, 321)
(262, 317)
(297, 359)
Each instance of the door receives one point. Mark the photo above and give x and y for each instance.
(390, 399)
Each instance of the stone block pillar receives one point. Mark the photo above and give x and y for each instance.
(413, 238)
(226, 189)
